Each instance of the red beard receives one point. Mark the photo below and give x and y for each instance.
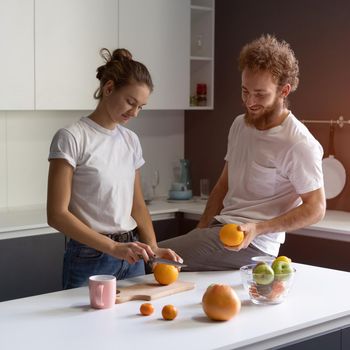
(261, 120)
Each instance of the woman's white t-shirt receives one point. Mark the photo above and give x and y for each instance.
(267, 171)
(104, 163)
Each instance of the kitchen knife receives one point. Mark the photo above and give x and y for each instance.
(152, 260)
(166, 261)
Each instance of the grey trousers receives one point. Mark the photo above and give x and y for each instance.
(202, 250)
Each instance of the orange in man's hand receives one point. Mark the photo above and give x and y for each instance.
(169, 312)
(165, 274)
(230, 235)
(146, 309)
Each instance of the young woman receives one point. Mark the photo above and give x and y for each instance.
(94, 187)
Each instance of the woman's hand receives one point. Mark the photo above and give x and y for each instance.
(133, 251)
(166, 253)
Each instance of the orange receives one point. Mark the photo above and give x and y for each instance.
(230, 235)
(146, 309)
(165, 274)
(169, 312)
(283, 258)
(220, 302)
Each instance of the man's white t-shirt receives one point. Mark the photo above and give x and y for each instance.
(267, 171)
(104, 163)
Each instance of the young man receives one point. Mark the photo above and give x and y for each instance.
(272, 180)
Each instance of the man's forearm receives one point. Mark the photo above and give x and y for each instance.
(304, 215)
(213, 207)
(216, 198)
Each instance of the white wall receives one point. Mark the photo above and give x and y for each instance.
(25, 139)
(162, 138)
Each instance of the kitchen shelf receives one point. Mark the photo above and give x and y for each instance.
(200, 108)
(202, 49)
(201, 58)
(208, 4)
(201, 8)
(202, 72)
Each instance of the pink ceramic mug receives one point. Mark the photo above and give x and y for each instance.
(103, 290)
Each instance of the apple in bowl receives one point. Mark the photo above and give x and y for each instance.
(263, 274)
(267, 284)
(282, 270)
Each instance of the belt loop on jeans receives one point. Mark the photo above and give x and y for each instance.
(123, 237)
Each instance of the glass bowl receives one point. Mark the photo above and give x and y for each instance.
(271, 290)
(263, 258)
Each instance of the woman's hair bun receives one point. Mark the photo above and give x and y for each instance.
(117, 55)
(121, 54)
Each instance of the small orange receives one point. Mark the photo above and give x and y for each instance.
(230, 235)
(169, 312)
(146, 309)
(165, 274)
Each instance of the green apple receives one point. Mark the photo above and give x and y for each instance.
(263, 274)
(282, 270)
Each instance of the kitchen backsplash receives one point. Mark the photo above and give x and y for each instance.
(25, 138)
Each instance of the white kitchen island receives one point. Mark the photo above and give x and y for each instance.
(317, 304)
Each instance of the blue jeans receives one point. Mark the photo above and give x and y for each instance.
(81, 262)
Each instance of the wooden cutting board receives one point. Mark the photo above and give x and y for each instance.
(150, 291)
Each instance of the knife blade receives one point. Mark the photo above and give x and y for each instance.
(166, 261)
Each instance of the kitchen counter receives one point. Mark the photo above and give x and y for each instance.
(29, 221)
(335, 225)
(317, 304)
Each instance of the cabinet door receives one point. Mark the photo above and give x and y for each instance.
(345, 338)
(17, 54)
(327, 253)
(166, 229)
(68, 37)
(157, 33)
(31, 265)
(322, 342)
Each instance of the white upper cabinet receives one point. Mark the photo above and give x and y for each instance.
(17, 54)
(68, 37)
(157, 33)
(50, 50)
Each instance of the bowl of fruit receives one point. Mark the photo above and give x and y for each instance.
(268, 282)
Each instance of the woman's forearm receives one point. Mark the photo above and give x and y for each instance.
(144, 225)
(74, 228)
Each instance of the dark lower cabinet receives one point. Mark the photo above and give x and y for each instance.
(345, 338)
(31, 265)
(330, 341)
(170, 228)
(338, 340)
(186, 225)
(166, 229)
(322, 252)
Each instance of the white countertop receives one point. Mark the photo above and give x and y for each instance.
(335, 225)
(29, 221)
(318, 303)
